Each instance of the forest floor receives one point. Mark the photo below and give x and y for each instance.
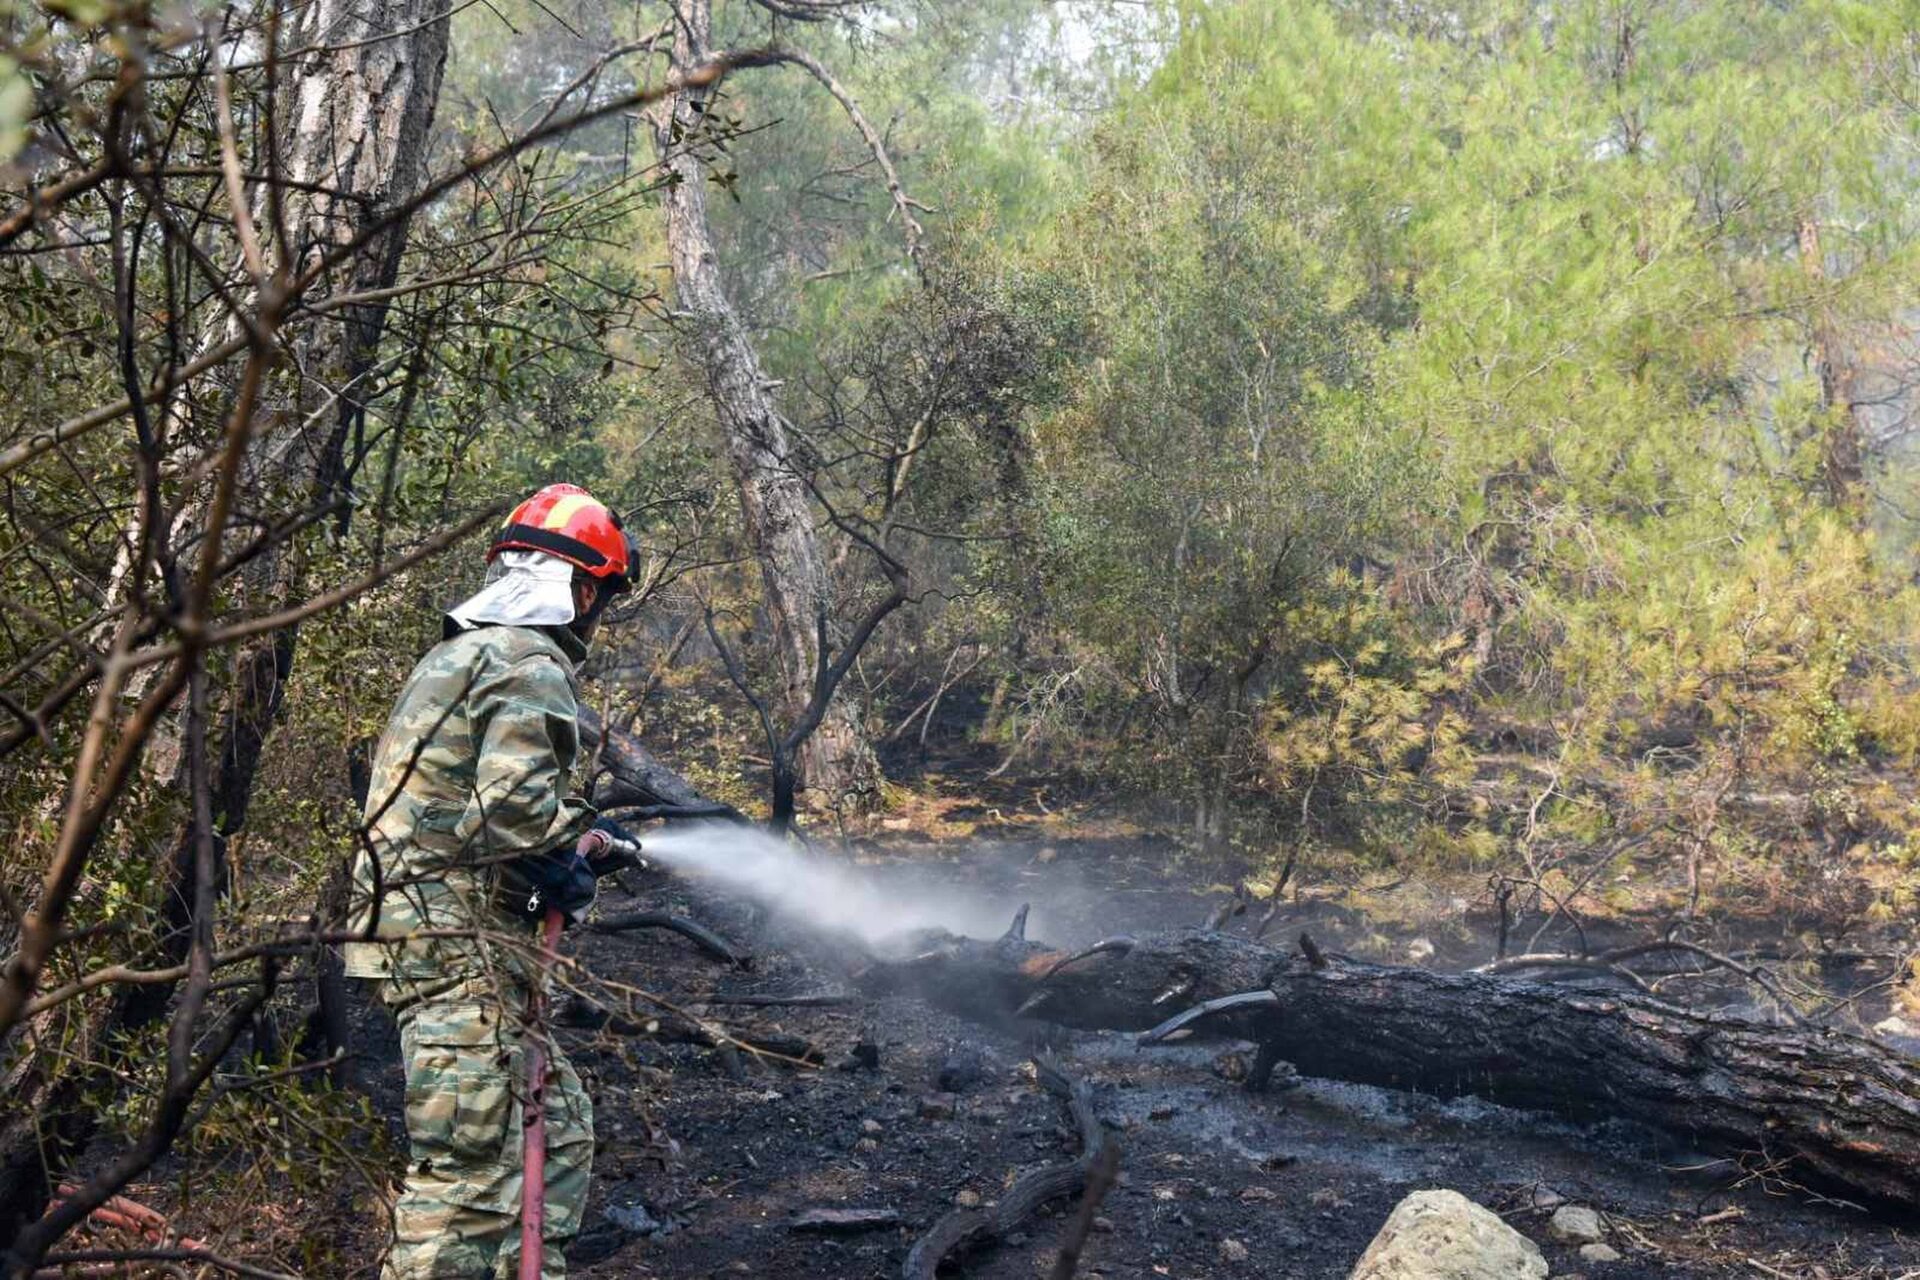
(706, 1160)
(1301, 1179)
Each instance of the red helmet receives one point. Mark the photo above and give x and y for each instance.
(566, 521)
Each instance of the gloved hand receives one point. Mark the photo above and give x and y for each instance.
(560, 879)
(610, 847)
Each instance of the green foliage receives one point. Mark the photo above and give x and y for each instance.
(1510, 311)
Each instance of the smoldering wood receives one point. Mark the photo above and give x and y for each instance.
(1823, 1108)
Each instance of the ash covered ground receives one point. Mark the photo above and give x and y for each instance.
(707, 1159)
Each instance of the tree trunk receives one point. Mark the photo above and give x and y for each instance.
(1810, 1106)
(837, 760)
(636, 779)
(1842, 451)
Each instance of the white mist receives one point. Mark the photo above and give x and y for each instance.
(827, 895)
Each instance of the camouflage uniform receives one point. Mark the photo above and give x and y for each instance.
(471, 773)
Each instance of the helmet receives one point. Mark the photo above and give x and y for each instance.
(567, 522)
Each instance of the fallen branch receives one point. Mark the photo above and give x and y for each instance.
(682, 1028)
(969, 1228)
(1614, 962)
(706, 939)
(1101, 1176)
(802, 1000)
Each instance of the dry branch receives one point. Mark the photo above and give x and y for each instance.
(968, 1228)
(701, 936)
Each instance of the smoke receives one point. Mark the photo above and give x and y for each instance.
(802, 886)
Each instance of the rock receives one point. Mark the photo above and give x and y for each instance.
(1327, 1198)
(937, 1106)
(1598, 1252)
(1545, 1198)
(964, 1068)
(1163, 1111)
(635, 1218)
(1231, 1065)
(1575, 1224)
(1897, 1026)
(1251, 1194)
(597, 1243)
(1442, 1235)
(967, 1198)
(864, 1056)
(872, 1128)
(1103, 1225)
(843, 1221)
(1419, 951)
(1232, 1251)
(866, 1146)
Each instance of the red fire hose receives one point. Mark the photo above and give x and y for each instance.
(533, 1166)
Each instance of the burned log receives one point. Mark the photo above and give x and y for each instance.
(1124, 983)
(1818, 1107)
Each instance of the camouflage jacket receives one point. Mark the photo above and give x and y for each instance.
(472, 772)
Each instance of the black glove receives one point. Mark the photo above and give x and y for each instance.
(560, 880)
(615, 850)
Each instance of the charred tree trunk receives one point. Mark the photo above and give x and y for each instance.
(837, 759)
(636, 782)
(1810, 1106)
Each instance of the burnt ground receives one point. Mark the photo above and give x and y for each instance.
(705, 1159)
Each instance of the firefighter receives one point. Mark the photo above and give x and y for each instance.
(471, 835)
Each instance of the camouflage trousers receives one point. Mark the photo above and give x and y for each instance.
(458, 1215)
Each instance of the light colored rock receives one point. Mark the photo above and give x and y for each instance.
(1897, 1026)
(1419, 951)
(1233, 1251)
(1575, 1224)
(966, 1198)
(1442, 1235)
(1598, 1252)
(1545, 1198)
(872, 1128)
